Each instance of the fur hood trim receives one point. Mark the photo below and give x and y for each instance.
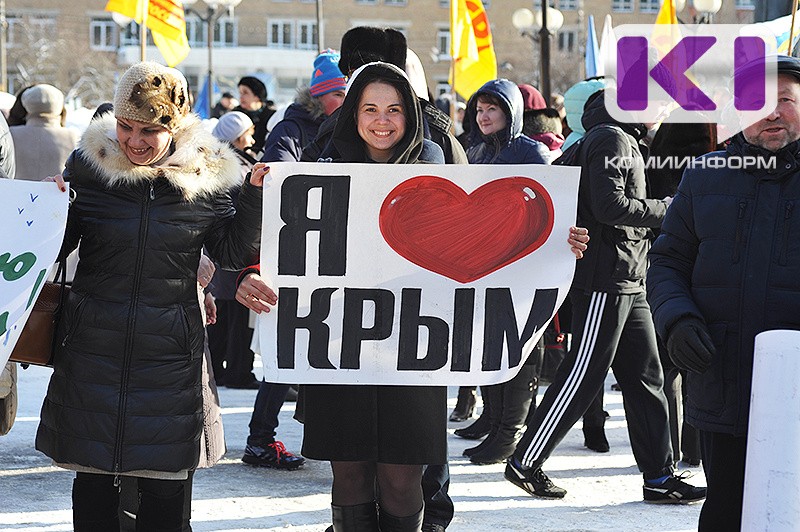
(199, 165)
(309, 103)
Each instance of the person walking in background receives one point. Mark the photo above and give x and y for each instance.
(125, 396)
(494, 114)
(725, 268)
(611, 320)
(226, 103)
(285, 142)
(229, 338)
(42, 144)
(253, 103)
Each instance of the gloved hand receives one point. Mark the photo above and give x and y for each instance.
(689, 345)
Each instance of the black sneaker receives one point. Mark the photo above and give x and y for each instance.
(533, 481)
(432, 527)
(673, 491)
(273, 455)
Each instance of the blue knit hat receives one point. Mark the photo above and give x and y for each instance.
(327, 77)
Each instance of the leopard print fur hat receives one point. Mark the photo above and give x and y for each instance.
(152, 93)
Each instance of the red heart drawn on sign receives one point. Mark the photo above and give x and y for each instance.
(433, 223)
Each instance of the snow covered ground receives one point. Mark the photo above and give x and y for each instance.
(604, 490)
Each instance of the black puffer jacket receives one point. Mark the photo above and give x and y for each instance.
(298, 128)
(125, 394)
(613, 204)
(729, 254)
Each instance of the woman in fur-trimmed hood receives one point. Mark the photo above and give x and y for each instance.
(153, 188)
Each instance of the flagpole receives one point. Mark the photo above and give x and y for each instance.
(791, 28)
(144, 5)
(453, 93)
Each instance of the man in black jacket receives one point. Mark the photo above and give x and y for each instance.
(724, 269)
(611, 320)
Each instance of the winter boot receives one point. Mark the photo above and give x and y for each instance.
(94, 503)
(594, 419)
(356, 518)
(160, 511)
(465, 405)
(516, 396)
(391, 523)
(492, 407)
(481, 426)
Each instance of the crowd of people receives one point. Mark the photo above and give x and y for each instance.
(167, 219)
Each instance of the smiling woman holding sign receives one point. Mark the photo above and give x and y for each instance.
(153, 188)
(378, 434)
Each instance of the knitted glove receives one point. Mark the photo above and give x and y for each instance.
(690, 346)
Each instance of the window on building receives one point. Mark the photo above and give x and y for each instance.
(395, 2)
(568, 5)
(567, 40)
(371, 2)
(649, 6)
(307, 38)
(444, 3)
(623, 6)
(129, 35)
(442, 87)
(443, 43)
(25, 30)
(225, 31)
(103, 34)
(297, 34)
(280, 33)
(745, 4)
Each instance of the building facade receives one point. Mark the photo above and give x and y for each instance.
(80, 48)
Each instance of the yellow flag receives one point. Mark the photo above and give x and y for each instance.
(666, 33)
(166, 22)
(474, 62)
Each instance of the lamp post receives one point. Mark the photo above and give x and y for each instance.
(214, 9)
(707, 9)
(548, 21)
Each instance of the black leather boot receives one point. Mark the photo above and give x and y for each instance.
(391, 523)
(94, 503)
(465, 405)
(492, 407)
(481, 426)
(515, 399)
(161, 512)
(356, 518)
(594, 419)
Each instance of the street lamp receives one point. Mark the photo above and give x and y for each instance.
(546, 22)
(214, 9)
(708, 8)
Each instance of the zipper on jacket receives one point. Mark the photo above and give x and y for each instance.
(152, 192)
(787, 216)
(739, 230)
(128, 352)
(75, 321)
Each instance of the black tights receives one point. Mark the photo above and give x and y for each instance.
(95, 504)
(399, 486)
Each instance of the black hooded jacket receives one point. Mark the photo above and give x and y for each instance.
(346, 145)
(613, 204)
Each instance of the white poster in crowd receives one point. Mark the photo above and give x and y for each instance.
(412, 274)
(33, 216)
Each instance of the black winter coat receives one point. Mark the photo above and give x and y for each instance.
(125, 394)
(613, 204)
(729, 254)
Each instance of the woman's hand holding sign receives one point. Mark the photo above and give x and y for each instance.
(578, 240)
(254, 294)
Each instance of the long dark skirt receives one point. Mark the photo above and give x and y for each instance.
(385, 424)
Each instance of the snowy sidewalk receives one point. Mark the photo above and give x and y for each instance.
(604, 491)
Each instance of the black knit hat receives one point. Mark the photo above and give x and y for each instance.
(255, 85)
(367, 44)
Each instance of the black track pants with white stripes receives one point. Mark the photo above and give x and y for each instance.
(616, 331)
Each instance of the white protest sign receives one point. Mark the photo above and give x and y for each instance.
(33, 216)
(412, 274)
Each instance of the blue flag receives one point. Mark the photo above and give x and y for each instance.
(593, 67)
(201, 103)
